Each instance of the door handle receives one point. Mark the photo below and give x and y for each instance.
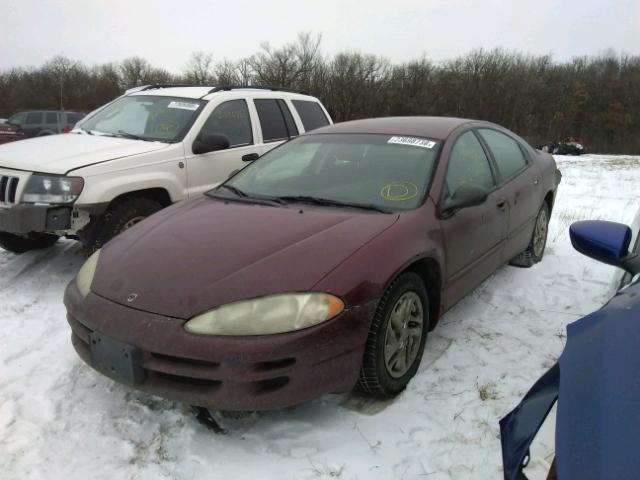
(501, 203)
(250, 157)
(536, 181)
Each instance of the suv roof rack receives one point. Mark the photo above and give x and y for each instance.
(167, 85)
(253, 87)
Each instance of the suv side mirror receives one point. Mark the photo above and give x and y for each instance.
(467, 195)
(211, 143)
(607, 242)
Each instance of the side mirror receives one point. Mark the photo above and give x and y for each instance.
(467, 195)
(607, 242)
(211, 143)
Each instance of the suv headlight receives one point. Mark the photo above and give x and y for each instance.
(267, 315)
(52, 189)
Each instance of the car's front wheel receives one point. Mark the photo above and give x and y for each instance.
(24, 243)
(396, 339)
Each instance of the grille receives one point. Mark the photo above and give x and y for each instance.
(8, 189)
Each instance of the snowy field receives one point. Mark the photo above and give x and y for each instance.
(61, 420)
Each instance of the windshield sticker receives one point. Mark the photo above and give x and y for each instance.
(184, 105)
(413, 141)
(399, 191)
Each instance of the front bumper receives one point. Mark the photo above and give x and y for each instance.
(225, 373)
(24, 218)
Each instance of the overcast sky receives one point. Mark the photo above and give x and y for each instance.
(166, 32)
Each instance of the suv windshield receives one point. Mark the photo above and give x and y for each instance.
(146, 117)
(385, 172)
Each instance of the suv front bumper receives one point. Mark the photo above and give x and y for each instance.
(22, 219)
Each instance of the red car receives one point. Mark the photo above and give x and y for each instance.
(10, 133)
(322, 265)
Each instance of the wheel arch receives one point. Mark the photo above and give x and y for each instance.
(428, 269)
(158, 194)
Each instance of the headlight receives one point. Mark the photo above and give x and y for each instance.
(266, 315)
(86, 273)
(52, 189)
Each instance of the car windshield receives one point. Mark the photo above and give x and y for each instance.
(381, 172)
(145, 117)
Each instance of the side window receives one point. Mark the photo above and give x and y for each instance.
(18, 118)
(51, 117)
(311, 114)
(506, 152)
(34, 118)
(272, 120)
(468, 164)
(231, 119)
(288, 118)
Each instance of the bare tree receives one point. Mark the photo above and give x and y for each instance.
(199, 69)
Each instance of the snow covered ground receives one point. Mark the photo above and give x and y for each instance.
(61, 420)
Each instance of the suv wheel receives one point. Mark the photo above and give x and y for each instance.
(24, 243)
(118, 218)
(396, 339)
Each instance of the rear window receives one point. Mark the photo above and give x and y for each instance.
(272, 120)
(506, 152)
(311, 114)
(74, 117)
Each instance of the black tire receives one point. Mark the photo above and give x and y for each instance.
(117, 219)
(535, 251)
(24, 243)
(375, 378)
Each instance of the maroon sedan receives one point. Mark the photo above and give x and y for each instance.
(322, 265)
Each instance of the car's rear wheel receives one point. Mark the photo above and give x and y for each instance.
(396, 339)
(24, 243)
(535, 251)
(118, 218)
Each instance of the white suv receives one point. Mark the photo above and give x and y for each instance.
(153, 146)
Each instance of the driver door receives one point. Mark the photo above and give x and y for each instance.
(206, 170)
(473, 236)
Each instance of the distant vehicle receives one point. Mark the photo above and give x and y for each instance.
(9, 133)
(322, 265)
(595, 381)
(138, 154)
(38, 123)
(568, 146)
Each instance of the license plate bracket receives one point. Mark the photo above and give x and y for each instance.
(116, 359)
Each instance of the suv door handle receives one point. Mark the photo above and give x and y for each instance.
(501, 203)
(250, 157)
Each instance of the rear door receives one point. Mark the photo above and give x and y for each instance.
(520, 183)
(52, 122)
(474, 236)
(206, 170)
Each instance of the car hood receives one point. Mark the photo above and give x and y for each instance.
(63, 153)
(206, 252)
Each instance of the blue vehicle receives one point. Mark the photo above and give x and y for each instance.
(596, 381)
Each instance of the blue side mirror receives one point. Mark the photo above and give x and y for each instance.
(607, 242)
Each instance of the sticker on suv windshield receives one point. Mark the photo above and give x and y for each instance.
(413, 141)
(183, 105)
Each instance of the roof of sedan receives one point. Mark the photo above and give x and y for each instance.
(432, 127)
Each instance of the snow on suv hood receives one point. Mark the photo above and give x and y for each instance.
(62, 153)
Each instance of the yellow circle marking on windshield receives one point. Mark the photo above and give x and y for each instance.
(399, 191)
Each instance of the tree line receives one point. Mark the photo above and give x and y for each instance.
(596, 98)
